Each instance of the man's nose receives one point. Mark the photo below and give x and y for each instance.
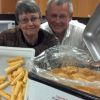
(58, 19)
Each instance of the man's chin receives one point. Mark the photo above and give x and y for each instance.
(57, 32)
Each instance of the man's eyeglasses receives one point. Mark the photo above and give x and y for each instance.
(26, 20)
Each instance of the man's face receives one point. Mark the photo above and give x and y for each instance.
(58, 18)
(29, 23)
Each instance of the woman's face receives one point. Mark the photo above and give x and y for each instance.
(29, 23)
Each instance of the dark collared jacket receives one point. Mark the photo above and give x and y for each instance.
(14, 38)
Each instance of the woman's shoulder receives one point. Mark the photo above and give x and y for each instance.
(48, 38)
(46, 33)
(10, 31)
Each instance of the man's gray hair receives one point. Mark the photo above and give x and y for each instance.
(25, 6)
(60, 2)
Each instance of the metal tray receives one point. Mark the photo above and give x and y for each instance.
(91, 34)
(51, 90)
(7, 52)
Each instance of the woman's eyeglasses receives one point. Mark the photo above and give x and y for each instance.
(26, 20)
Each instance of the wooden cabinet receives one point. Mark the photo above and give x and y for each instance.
(93, 5)
(84, 8)
(75, 7)
(42, 4)
(7, 6)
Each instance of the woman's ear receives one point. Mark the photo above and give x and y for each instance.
(18, 25)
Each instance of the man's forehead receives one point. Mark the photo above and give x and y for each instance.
(54, 7)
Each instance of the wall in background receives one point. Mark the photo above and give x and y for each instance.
(7, 6)
(82, 8)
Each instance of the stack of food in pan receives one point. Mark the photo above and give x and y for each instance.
(71, 67)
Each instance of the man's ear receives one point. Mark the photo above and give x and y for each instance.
(70, 17)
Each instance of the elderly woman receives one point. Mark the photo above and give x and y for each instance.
(28, 33)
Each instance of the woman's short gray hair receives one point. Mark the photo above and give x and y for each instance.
(26, 6)
(60, 2)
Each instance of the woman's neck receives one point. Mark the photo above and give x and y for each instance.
(32, 40)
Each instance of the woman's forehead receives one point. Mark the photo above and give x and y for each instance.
(29, 14)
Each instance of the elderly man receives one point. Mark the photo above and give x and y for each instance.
(59, 22)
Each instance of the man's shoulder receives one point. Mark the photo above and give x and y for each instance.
(45, 26)
(76, 23)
